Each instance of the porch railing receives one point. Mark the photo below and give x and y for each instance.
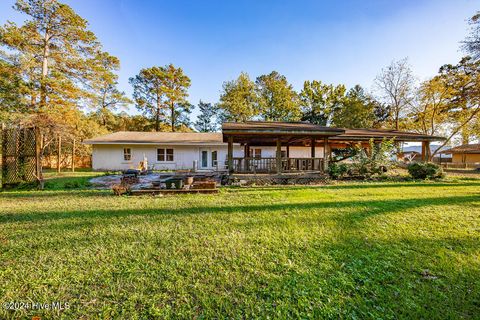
(269, 165)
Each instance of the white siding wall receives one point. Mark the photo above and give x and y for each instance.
(110, 157)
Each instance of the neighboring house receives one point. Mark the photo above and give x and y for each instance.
(250, 147)
(467, 153)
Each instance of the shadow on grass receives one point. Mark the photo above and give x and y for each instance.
(360, 185)
(366, 208)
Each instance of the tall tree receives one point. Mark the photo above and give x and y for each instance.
(395, 85)
(148, 93)
(105, 94)
(207, 120)
(432, 109)
(57, 52)
(276, 98)
(161, 92)
(472, 43)
(318, 101)
(175, 86)
(356, 111)
(463, 80)
(238, 100)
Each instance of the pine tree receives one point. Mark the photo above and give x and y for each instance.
(208, 118)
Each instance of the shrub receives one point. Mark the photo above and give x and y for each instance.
(377, 160)
(424, 170)
(337, 170)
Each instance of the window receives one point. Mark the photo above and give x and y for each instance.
(164, 154)
(127, 154)
(214, 158)
(256, 153)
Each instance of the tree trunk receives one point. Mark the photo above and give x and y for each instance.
(172, 109)
(43, 87)
(59, 153)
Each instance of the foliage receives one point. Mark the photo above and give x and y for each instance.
(319, 101)
(463, 101)
(277, 101)
(298, 252)
(356, 110)
(425, 170)
(238, 100)
(472, 43)
(160, 93)
(337, 170)
(207, 120)
(375, 160)
(433, 107)
(395, 85)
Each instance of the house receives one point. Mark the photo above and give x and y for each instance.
(467, 153)
(249, 147)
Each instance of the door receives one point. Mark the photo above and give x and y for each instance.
(204, 158)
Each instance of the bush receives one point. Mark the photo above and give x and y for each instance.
(337, 170)
(376, 161)
(425, 170)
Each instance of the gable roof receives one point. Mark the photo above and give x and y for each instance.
(136, 137)
(465, 148)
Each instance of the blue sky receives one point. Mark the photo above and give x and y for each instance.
(332, 41)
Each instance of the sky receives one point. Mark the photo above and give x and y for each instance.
(336, 42)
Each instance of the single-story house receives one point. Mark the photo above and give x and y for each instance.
(467, 153)
(249, 147)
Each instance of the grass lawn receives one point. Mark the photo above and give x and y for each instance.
(372, 250)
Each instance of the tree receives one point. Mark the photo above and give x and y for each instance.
(208, 118)
(395, 85)
(160, 92)
(356, 111)
(56, 51)
(463, 80)
(238, 100)
(56, 57)
(175, 86)
(431, 111)
(277, 101)
(106, 96)
(12, 89)
(472, 43)
(318, 101)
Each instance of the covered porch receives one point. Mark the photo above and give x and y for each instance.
(283, 136)
(318, 140)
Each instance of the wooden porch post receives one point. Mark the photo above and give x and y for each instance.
(288, 150)
(312, 148)
(230, 154)
(425, 150)
(325, 154)
(278, 155)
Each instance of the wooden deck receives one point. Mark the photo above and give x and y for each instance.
(171, 191)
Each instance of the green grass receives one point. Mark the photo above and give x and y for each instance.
(355, 250)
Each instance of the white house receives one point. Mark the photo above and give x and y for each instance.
(172, 151)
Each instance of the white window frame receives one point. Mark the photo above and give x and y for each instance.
(165, 154)
(127, 154)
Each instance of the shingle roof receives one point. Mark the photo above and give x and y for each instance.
(135, 137)
(465, 148)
